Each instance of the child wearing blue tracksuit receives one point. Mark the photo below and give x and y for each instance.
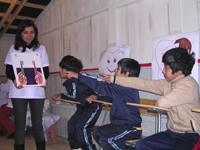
(86, 115)
(125, 120)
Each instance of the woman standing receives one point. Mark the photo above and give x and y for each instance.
(26, 41)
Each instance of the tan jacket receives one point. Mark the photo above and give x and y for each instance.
(179, 95)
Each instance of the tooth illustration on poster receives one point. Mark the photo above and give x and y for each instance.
(110, 57)
(187, 40)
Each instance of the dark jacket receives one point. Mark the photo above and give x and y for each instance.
(120, 114)
(78, 92)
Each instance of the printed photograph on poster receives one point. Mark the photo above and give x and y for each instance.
(27, 68)
(188, 40)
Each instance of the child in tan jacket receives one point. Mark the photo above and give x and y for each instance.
(179, 93)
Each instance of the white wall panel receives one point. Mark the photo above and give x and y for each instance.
(134, 32)
(145, 33)
(6, 41)
(174, 17)
(159, 18)
(66, 40)
(189, 15)
(121, 25)
(99, 36)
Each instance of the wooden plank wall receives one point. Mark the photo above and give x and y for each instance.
(84, 28)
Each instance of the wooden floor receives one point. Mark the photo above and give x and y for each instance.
(7, 144)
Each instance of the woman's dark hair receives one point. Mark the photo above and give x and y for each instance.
(18, 38)
(70, 63)
(178, 59)
(129, 65)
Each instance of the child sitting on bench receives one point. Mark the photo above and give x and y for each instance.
(125, 120)
(86, 115)
(180, 94)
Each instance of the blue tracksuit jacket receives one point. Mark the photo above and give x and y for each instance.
(120, 114)
(82, 121)
(78, 92)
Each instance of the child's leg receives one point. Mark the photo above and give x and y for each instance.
(72, 133)
(101, 131)
(84, 126)
(186, 141)
(158, 141)
(113, 137)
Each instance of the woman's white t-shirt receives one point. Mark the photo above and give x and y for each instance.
(29, 92)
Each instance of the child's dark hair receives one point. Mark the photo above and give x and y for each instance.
(179, 59)
(129, 65)
(70, 63)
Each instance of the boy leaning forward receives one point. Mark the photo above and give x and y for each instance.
(179, 93)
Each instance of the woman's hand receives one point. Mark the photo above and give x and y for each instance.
(22, 78)
(17, 86)
(44, 85)
(39, 78)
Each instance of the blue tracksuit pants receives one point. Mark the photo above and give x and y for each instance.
(79, 128)
(113, 137)
(168, 140)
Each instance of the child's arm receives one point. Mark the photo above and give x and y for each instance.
(56, 97)
(153, 86)
(91, 98)
(77, 91)
(98, 85)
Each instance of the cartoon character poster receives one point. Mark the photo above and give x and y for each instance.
(110, 57)
(27, 68)
(189, 41)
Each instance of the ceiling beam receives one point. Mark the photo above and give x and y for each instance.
(12, 5)
(26, 4)
(17, 17)
(20, 6)
(11, 27)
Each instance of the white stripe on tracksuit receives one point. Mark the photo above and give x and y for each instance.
(111, 140)
(85, 131)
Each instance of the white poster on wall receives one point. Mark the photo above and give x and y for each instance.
(110, 57)
(189, 40)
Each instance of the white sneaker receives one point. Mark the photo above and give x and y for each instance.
(77, 149)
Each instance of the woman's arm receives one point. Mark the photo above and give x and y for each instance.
(10, 72)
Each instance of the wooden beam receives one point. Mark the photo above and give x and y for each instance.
(21, 18)
(12, 5)
(26, 4)
(14, 15)
(34, 5)
(18, 17)
(6, 1)
(11, 27)
(2, 14)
